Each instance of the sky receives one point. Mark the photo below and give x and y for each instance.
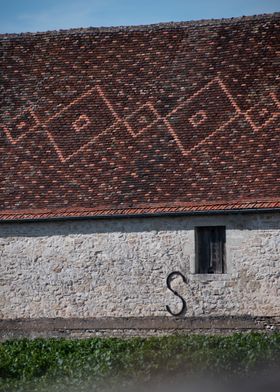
(42, 15)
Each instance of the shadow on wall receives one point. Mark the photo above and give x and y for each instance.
(261, 221)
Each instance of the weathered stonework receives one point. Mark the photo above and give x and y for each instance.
(118, 268)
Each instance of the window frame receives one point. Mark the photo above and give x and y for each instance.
(221, 266)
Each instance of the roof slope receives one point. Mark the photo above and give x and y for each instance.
(169, 117)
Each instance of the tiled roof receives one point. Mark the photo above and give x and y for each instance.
(172, 117)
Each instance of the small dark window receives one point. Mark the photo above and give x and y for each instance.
(210, 249)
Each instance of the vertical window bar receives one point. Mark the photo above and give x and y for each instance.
(210, 249)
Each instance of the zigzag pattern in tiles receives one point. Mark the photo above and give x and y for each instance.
(204, 117)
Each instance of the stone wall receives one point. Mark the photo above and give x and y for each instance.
(118, 268)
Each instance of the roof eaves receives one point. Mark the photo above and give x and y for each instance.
(148, 211)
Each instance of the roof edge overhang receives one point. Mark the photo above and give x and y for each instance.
(143, 210)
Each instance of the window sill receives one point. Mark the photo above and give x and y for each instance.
(210, 277)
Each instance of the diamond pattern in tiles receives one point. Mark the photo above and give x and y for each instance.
(142, 119)
(200, 115)
(21, 125)
(262, 113)
(198, 118)
(81, 123)
(193, 121)
(83, 120)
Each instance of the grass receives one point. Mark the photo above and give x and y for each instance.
(60, 364)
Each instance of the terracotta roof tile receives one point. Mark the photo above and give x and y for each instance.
(177, 117)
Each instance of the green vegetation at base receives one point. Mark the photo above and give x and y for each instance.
(34, 365)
